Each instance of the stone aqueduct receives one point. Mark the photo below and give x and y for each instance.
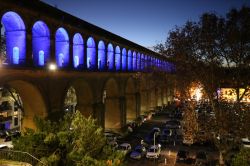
(134, 78)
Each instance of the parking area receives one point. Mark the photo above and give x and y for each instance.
(170, 144)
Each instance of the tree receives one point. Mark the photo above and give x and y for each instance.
(74, 140)
(2, 49)
(215, 51)
(242, 158)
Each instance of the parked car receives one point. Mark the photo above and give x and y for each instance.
(245, 142)
(124, 148)
(201, 158)
(187, 140)
(154, 152)
(166, 131)
(173, 124)
(182, 156)
(13, 134)
(138, 152)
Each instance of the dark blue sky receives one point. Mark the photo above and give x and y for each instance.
(146, 22)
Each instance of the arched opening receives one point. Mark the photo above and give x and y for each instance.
(70, 100)
(112, 110)
(152, 98)
(134, 61)
(138, 59)
(91, 54)
(117, 58)
(78, 51)
(144, 95)
(142, 62)
(159, 96)
(62, 48)
(22, 99)
(84, 97)
(146, 62)
(101, 56)
(130, 100)
(110, 61)
(40, 43)
(124, 59)
(15, 38)
(130, 60)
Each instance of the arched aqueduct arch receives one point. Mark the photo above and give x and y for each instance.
(112, 110)
(130, 92)
(84, 96)
(32, 99)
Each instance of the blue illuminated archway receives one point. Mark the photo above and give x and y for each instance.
(78, 51)
(130, 61)
(101, 56)
(62, 48)
(134, 61)
(142, 61)
(91, 54)
(138, 59)
(40, 43)
(110, 60)
(15, 35)
(124, 59)
(117, 58)
(145, 62)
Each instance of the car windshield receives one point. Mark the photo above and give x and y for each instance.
(201, 155)
(246, 142)
(138, 150)
(152, 150)
(122, 148)
(182, 154)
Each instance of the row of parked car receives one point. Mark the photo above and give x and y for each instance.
(140, 151)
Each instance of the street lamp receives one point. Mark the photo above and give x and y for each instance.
(52, 67)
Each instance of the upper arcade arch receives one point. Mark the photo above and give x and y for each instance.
(91, 54)
(78, 51)
(15, 35)
(62, 47)
(40, 43)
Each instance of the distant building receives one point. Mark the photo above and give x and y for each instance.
(229, 94)
(10, 114)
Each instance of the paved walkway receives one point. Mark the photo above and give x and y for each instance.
(13, 163)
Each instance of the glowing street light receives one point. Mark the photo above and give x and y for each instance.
(52, 67)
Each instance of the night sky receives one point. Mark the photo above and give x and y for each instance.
(146, 22)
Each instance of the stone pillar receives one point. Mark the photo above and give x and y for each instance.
(122, 103)
(52, 57)
(95, 67)
(99, 113)
(71, 56)
(138, 103)
(85, 54)
(28, 61)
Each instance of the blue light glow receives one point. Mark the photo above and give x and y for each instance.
(15, 37)
(110, 61)
(117, 58)
(130, 59)
(124, 59)
(134, 61)
(138, 59)
(62, 48)
(40, 42)
(101, 56)
(91, 53)
(142, 61)
(78, 50)
(15, 55)
(41, 58)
